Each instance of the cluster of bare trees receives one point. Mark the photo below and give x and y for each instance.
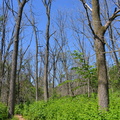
(90, 31)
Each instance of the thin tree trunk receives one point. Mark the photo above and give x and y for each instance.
(88, 85)
(46, 72)
(36, 57)
(54, 74)
(36, 66)
(113, 48)
(47, 5)
(2, 46)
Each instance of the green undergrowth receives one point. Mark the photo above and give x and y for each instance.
(70, 108)
(3, 111)
(14, 118)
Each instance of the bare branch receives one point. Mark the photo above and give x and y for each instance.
(85, 4)
(52, 34)
(89, 22)
(88, 7)
(112, 51)
(111, 19)
(11, 9)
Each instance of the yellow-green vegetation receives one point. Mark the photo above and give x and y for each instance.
(14, 118)
(71, 108)
(3, 112)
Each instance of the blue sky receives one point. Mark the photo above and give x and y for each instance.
(66, 6)
(39, 10)
(69, 6)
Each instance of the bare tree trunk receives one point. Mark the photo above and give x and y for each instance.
(54, 74)
(98, 31)
(11, 101)
(47, 5)
(18, 73)
(36, 65)
(113, 48)
(2, 46)
(36, 57)
(111, 35)
(103, 96)
(88, 85)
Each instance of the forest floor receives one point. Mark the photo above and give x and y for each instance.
(19, 117)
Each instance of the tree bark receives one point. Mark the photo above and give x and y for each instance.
(47, 5)
(36, 65)
(99, 30)
(36, 57)
(11, 101)
(3, 22)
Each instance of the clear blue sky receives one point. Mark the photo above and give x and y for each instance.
(70, 6)
(62, 5)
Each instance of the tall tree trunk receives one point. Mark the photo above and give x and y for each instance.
(36, 65)
(36, 56)
(98, 31)
(2, 45)
(103, 96)
(47, 4)
(113, 48)
(46, 71)
(11, 101)
(54, 74)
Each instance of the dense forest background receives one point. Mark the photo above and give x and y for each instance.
(51, 48)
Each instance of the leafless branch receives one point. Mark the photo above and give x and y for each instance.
(115, 14)
(89, 22)
(88, 6)
(52, 34)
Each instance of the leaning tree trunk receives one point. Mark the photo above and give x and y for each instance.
(11, 101)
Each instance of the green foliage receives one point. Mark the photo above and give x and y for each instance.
(3, 111)
(85, 70)
(37, 110)
(1, 18)
(72, 108)
(65, 82)
(19, 108)
(114, 77)
(14, 118)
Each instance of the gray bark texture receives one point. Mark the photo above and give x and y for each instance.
(11, 102)
(47, 5)
(99, 30)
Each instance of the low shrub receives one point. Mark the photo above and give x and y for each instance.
(72, 108)
(3, 111)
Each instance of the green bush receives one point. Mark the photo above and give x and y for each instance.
(3, 111)
(72, 108)
(19, 108)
